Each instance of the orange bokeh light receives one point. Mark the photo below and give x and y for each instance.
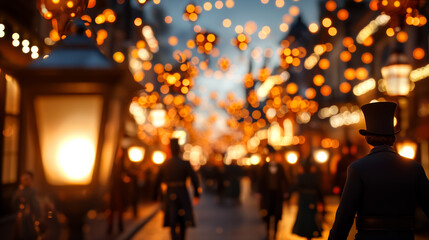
(326, 90)
(418, 53)
(350, 74)
(318, 80)
(345, 87)
(324, 64)
(345, 56)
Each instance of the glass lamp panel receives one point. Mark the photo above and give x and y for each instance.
(111, 134)
(68, 128)
(397, 79)
(13, 94)
(10, 150)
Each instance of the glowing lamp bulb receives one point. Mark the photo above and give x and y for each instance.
(136, 154)
(158, 157)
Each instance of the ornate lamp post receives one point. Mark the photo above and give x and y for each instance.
(73, 106)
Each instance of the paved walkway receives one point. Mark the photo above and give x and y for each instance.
(229, 222)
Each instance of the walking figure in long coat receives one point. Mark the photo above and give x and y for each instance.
(382, 188)
(273, 190)
(178, 212)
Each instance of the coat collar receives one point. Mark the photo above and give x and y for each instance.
(382, 148)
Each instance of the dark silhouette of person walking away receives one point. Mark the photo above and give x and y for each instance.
(382, 188)
(178, 212)
(273, 190)
(308, 221)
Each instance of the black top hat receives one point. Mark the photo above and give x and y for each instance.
(379, 118)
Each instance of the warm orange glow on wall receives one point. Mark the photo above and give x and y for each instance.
(345, 87)
(324, 64)
(331, 5)
(345, 56)
(418, 53)
(350, 74)
(292, 88)
(326, 90)
(367, 58)
(318, 80)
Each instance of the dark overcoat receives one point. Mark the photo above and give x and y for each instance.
(308, 222)
(177, 203)
(383, 185)
(272, 200)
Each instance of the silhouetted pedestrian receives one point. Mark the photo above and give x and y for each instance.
(28, 207)
(382, 188)
(309, 218)
(348, 156)
(178, 212)
(232, 177)
(273, 190)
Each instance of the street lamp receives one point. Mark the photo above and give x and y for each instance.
(136, 154)
(158, 157)
(74, 105)
(292, 157)
(321, 155)
(407, 148)
(396, 74)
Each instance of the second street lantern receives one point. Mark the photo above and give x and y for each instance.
(74, 103)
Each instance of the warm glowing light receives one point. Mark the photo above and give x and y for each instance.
(255, 159)
(76, 157)
(318, 80)
(292, 157)
(226, 23)
(367, 58)
(118, 57)
(324, 64)
(292, 88)
(294, 10)
(350, 74)
(361, 73)
(321, 155)
(331, 5)
(407, 149)
(158, 157)
(419, 53)
(326, 22)
(313, 28)
(136, 154)
(345, 87)
(284, 27)
(332, 31)
(207, 6)
(390, 32)
(168, 19)
(345, 56)
(343, 14)
(402, 37)
(310, 93)
(325, 90)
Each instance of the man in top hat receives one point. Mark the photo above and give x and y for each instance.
(382, 188)
(272, 189)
